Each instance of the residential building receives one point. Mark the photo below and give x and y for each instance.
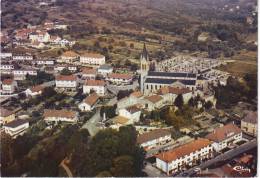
(68, 57)
(95, 85)
(16, 127)
(153, 102)
(44, 61)
(22, 57)
(249, 123)
(8, 67)
(133, 99)
(35, 90)
(40, 36)
(89, 74)
(154, 138)
(55, 116)
(117, 78)
(189, 154)
(68, 82)
(20, 74)
(131, 112)
(8, 86)
(225, 136)
(89, 102)
(119, 121)
(105, 69)
(6, 116)
(92, 59)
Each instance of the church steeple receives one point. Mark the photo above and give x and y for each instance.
(144, 54)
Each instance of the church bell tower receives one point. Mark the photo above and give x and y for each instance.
(144, 68)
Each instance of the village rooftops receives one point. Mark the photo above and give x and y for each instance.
(133, 109)
(5, 112)
(173, 90)
(70, 54)
(172, 74)
(169, 81)
(7, 81)
(154, 98)
(89, 71)
(152, 135)
(66, 77)
(251, 117)
(91, 99)
(223, 133)
(92, 55)
(95, 83)
(16, 123)
(59, 113)
(183, 150)
(120, 120)
(105, 67)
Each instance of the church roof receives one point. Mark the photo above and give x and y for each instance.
(144, 52)
(171, 74)
(169, 81)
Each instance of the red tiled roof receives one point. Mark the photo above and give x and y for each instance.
(95, 83)
(173, 90)
(91, 99)
(59, 113)
(183, 150)
(154, 98)
(37, 88)
(66, 77)
(5, 112)
(70, 54)
(7, 81)
(152, 135)
(136, 94)
(224, 132)
(89, 71)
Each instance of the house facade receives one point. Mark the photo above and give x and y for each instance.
(118, 78)
(249, 123)
(95, 85)
(131, 112)
(92, 59)
(68, 82)
(16, 127)
(55, 116)
(8, 86)
(89, 102)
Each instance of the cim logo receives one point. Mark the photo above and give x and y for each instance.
(241, 169)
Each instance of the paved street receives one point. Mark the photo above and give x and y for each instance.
(91, 124)
(223, 157)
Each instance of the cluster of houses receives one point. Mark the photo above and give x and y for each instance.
(39, 36)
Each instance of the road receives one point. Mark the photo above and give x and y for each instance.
(223, 157)
(91, 124)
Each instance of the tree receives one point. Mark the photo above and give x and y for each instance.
(104, 174)
(65, 71)
(179, 101)
(123, 166)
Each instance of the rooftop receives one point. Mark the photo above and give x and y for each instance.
(171, 74)
(92, 55)
(70, 54)
(7, 81)
(120, 76)
(5, 112)
(105, 67)
(95, 83)
(120, 120)
(251, 117)
(155, 134)
(173, 90)
(154, 98)
(66, 77)
(183, 150)
(37, 88)
(59, 113)
(16, 123)
(169, 81)
(91, 99)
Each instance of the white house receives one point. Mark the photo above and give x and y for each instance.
(249, 123)
(89, 74)
(54, 116)
(119, 121)
(105, 69)
(68, 82)
(16, 127)
(45, 61)
(117, 78)
(89, 102)
(225, 136)
(35, 90)
(68, 57)
(20, 74)
(154, 138)
(92, 59)
(131, 112)
(22, 57)
(41, 36)
(8, 86)
(6, 66)
(153, 102)
(96, 85)
(177, 159)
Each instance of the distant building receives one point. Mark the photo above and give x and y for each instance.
(105, 69)
(153, 102)
(117, 78)
(120, 121)
(225, 136)
(95, 85)
(89, 74)
(16, 127)
(8, 86)
(68, 57)
(44, 61)
(35, 90)
(55, 116)
(22, 57)
(20, 74)
(68, 82)
(89, 102)
(6, 116)
(134, 99)
(177, 159)
(154, 138)
(249, 123)
(92, 59)
(131, 112)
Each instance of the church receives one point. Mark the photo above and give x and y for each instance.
(152, 80)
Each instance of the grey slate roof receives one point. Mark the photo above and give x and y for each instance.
(169, 81)
(171, 74)
(16, 123)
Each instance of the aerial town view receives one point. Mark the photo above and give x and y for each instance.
(128, 88)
